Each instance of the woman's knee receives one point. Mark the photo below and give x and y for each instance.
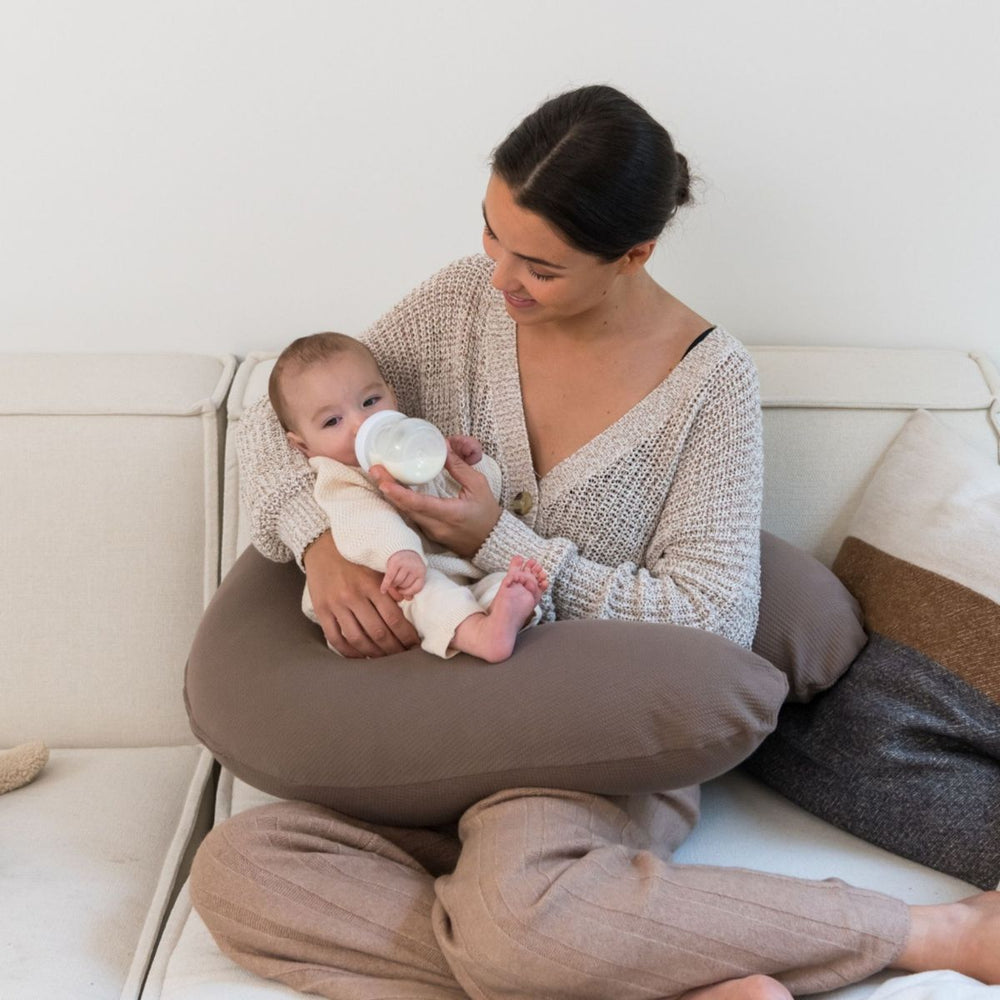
(488, 943)
(213, 881)
(227, 863)
(508, 919)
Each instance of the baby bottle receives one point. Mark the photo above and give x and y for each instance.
(412, 450)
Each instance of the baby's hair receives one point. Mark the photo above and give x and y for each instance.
(302, 353)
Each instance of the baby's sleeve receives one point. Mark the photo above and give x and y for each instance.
(489, 468)
(365, 526)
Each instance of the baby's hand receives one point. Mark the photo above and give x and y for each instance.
(468, 449)
(405, 573)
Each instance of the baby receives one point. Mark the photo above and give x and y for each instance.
(322, 388)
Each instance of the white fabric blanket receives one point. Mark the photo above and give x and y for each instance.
(940, 985)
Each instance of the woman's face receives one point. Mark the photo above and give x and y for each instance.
(542, 278)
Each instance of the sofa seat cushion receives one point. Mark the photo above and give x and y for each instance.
(744, 824)
(188, 965)
(89, 856)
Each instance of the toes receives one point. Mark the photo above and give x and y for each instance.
(529, 573)
(536, 569)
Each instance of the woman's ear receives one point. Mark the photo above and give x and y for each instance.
(638, 256)
(297, 443)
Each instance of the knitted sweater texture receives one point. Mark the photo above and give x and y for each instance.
(656, 519)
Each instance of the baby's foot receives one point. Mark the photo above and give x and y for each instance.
(514, 603)
(491, 636)
(529, 574)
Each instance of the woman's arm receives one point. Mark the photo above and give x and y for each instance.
(702, 565)
(276, 481)
(276, 487)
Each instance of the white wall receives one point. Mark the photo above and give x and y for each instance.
(221, 175)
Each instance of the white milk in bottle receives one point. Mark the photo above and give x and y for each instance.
(412, 450)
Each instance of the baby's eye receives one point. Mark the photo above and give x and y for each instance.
(488, 233)
(331, 421)
(371, 401)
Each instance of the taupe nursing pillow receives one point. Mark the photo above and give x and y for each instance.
(600, 706)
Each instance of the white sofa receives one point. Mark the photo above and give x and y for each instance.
(110, 480)
(110, 468)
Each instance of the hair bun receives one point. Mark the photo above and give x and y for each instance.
(683, 188)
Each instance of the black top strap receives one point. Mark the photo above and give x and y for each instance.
(697, 340)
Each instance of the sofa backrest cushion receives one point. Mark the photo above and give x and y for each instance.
(110, 469)
(831, 413)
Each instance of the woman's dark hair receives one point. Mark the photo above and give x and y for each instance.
(596, 166)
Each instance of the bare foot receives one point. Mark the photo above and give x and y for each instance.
(748, 988)
(962, 936)
(491, 635)
(528, 573)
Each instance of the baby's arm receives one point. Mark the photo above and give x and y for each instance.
(491, 471)
(368, 530)
(405, 573)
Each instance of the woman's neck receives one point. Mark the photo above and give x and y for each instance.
(579, 378)
(637, 311)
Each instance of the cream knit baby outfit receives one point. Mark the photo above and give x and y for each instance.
(369, 530)
(655, 519)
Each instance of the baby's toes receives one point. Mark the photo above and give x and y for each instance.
(537, 571)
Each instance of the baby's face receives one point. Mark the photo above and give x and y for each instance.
(329, 400)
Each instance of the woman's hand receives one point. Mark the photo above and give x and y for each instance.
(357, 619)
(460, 524)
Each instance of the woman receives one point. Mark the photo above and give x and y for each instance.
(628, 432)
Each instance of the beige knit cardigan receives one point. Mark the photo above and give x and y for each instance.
(655, 519)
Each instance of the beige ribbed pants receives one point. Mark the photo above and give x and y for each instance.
(548, 894)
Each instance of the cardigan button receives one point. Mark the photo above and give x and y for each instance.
(522, 504)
